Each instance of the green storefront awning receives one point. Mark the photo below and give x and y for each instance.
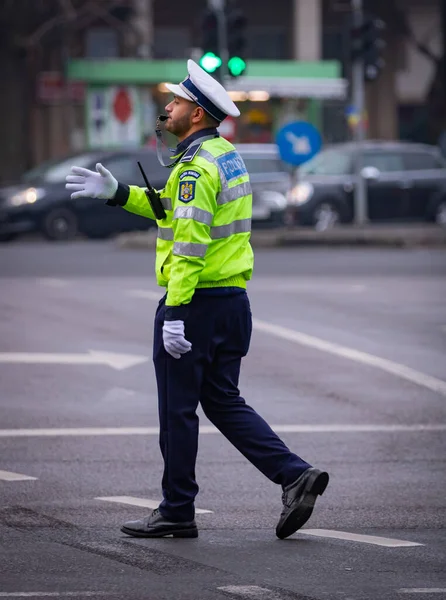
(285, 78)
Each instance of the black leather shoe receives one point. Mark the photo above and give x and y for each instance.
(299, 499)
(156, 526)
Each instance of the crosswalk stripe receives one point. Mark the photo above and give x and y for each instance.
(143, 502)
(356, 537)
(9, 476)
(209, 429)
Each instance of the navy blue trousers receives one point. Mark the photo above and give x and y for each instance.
(219, 328)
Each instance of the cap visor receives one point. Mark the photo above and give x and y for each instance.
(177, 91)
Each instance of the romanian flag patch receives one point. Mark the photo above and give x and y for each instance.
(187, 191)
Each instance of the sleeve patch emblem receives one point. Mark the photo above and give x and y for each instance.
(190, 173)
(187, 191)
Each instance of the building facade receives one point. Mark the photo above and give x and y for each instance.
(56, 90)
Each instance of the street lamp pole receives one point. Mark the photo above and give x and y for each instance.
(358, 98)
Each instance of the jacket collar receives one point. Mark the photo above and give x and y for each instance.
(184, 145)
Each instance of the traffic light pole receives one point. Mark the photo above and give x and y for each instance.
(358, 100)
(218, 6)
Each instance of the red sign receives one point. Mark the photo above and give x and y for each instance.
(122, 105)
(52, 88)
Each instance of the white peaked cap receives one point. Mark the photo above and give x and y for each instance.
(204, 90)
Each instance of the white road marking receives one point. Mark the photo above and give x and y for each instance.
(209, 429)
(143, 502)
(110, 359)
(291, 335)
(422, 591)
(53, 594)
(355, 537)
(9, 476)
(427, 381)
(248, 591)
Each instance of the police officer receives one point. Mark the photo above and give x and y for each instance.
(203, 323)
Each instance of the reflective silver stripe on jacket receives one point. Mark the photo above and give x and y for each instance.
(189, 249)
(192, 212)
(223, 231)
(238, 191)
(167, 203)
(165, 233)
(211, 158)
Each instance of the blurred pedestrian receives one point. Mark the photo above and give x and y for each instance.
(203, 323)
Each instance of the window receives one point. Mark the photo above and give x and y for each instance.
(385, 162)
(101, 42)
(263, 164)
(156, 174)
(421, 161)
(55, 171)
(123, 168)
(171, 42)
(328, 162)
(267, 43)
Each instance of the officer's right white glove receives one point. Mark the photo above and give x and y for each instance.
(173, 338)
(89, 184)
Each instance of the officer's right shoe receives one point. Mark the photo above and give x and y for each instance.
(299, 499)
(156, 526)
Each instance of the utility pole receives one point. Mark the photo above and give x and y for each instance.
(358, 98)
(218, 6)
(142, 23)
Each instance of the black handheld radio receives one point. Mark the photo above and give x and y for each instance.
(153, 198)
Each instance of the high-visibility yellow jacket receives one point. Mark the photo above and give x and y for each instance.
(204, 240)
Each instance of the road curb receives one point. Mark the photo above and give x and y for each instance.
(400, 237)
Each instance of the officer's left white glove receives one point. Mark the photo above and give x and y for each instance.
(89, 184)
(173, 338)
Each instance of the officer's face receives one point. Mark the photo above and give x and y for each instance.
(180, 113)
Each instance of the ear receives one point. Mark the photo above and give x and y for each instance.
(198, 114)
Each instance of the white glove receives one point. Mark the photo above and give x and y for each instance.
(89, 184)
(173, 337)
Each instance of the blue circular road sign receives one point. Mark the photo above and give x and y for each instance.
(298, 142)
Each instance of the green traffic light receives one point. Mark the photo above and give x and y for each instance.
(210, 62)
(236, 66)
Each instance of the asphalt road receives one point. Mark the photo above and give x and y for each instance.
(347, 362)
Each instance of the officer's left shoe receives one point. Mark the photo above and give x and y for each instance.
(299, 499)
(156, 526)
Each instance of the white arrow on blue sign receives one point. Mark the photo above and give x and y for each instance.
(298, 142)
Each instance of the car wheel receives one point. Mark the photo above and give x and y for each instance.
(440, 213)
(60, 225)
(325, 216)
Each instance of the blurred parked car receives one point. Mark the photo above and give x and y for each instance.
(39, 201)
(405, 182)
(270, 181)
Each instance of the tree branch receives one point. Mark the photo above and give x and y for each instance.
(408, 32)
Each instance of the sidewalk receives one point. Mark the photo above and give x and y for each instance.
(398, 236)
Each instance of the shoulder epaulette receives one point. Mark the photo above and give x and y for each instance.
(190, 153)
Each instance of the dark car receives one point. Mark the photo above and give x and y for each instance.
(405, 182)
(270, 180)
(40, 202)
